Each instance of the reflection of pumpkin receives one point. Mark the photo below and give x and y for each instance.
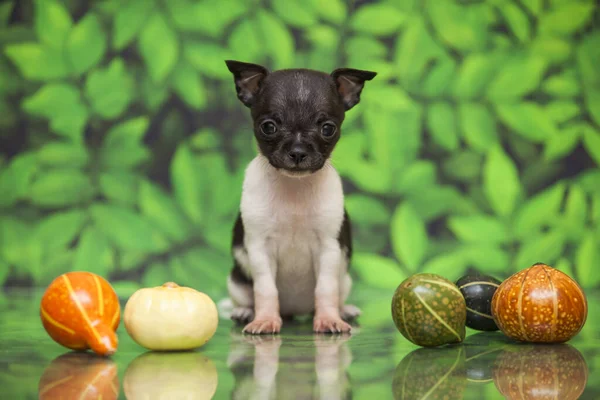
(80, 310)
(540, 372)
(79, 376)
(170, 376)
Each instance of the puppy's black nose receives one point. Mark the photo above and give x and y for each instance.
(298, 154)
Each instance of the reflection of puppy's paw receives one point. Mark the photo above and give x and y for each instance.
(242, 315)
(350, 312)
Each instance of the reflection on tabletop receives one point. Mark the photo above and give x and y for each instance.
(79, 376)
(300, 369)
(519, 371)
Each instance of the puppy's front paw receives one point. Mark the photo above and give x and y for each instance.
(264, 325)
(329, 324)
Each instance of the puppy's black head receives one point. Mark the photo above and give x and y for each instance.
(297, 113)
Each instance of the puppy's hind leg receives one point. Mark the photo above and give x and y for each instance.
(242, 297)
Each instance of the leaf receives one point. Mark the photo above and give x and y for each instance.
(16, 178)
(126, 289)
(60, 228)
(588, 57)
(586, 260)
(186, 187)
(377, 19)
(409, 236)
(520, 75)
(94, 253)
(528, 120)
(575, 213)
(210, 17)
(334, 11)
(478, 126)
(479, 229)
(129, 20)
(4, 272)
(565, 266)
(364, 45)
(463, 28)
(562, 110)
(566, 19)
(437, 83)
(463, 166)
(52, 22)
(517, 20)
(120, 187)
(417, 176)
(86, 44)
(297, 13)
(110, 90)
(123, 146)
(434, 201)
(59, 188)
(377, 271)
(451, 265)
(534, 6)
(37, 62)
(127, 134)
(562, 144)
(552, 49)
(128, 230)
(591, 141)
(61, 103)
(205, 139)
(488, 258)
(474, 75)
(501, 182)
(276, 38)
(207, 58)
(562, 85)
(161, 209)
(63, 154)
(189, 86)
(366, 210)
(159, 47)
(415, 51)
(441, 123)
(156, 275)
(244, 40)
(545, 248)
(20, 248)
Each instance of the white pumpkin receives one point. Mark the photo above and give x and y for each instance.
(170, 317)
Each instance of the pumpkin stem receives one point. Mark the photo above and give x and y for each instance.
(170, 285)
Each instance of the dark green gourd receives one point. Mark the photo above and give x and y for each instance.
(478, 291)
(429, 310)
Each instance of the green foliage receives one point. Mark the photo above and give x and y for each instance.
(476, 146)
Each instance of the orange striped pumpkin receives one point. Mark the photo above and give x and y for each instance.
(80, 311)
(79, 376)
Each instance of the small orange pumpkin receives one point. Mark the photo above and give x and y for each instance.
(79, 376)
(80, 311)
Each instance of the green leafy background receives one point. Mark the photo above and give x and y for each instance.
(123, 145)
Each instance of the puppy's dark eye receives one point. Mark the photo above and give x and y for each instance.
(328, 130)
(268, 128)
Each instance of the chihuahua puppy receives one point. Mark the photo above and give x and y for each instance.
(292, 238)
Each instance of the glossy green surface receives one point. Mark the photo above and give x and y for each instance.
(375, 362)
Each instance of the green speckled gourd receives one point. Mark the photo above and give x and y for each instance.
(429, 310)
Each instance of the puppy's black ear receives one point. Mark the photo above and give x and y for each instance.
(350, 83)
(247, 78)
